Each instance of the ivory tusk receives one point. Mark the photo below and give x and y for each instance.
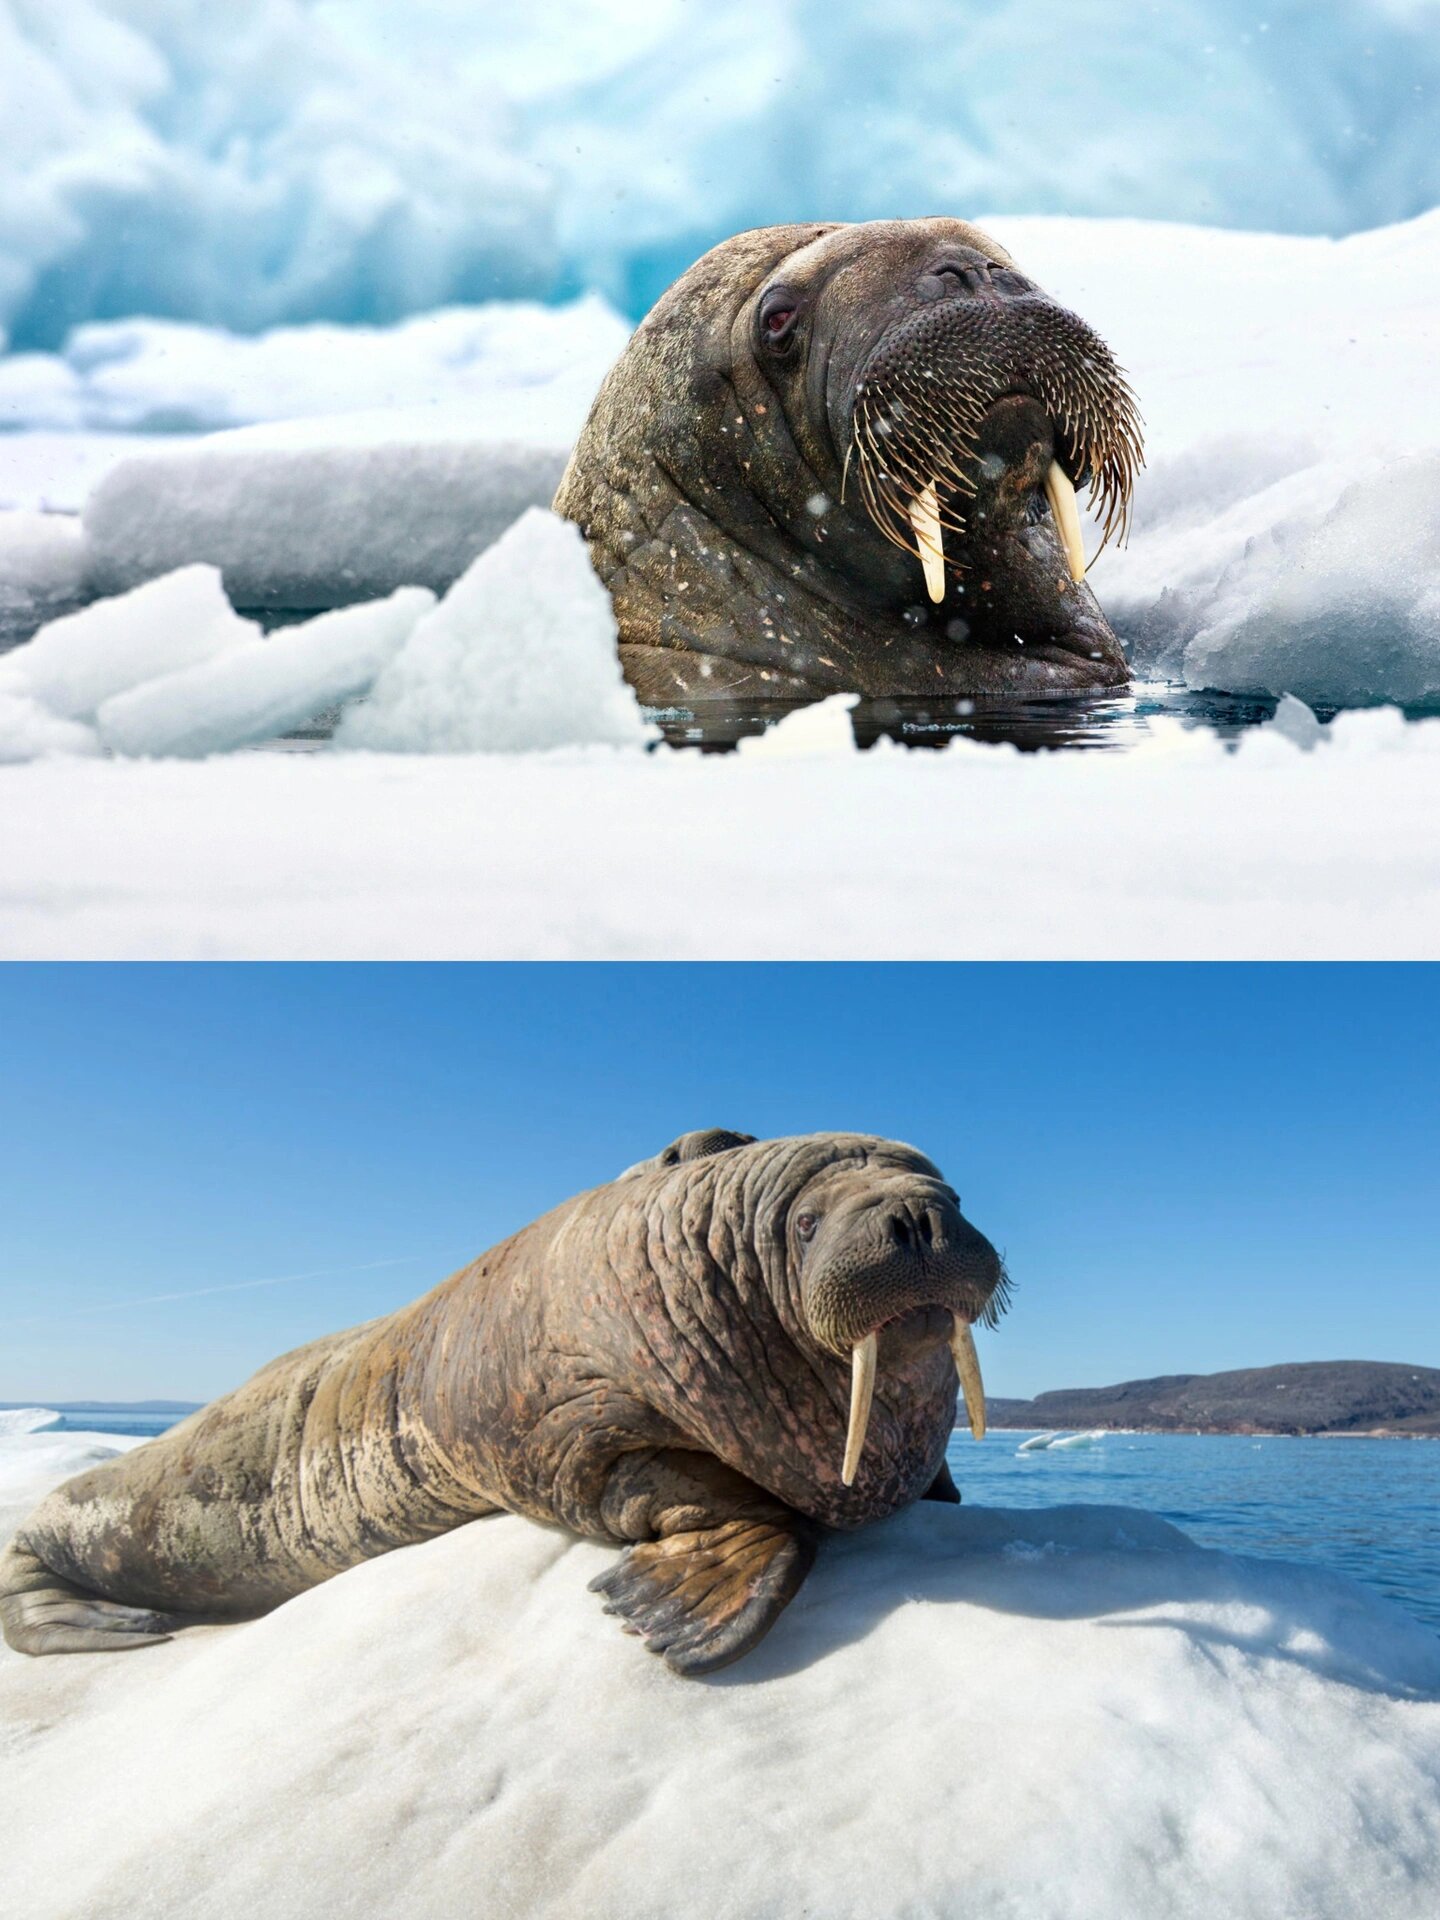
(862, 1389)
(1066, 515)
(925, 521)
(967, 1365)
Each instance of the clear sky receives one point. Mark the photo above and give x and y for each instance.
(1188, 1167)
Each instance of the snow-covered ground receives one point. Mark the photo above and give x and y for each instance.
(1285, 540)
(1055, 1714)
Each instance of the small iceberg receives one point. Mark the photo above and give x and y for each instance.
(1038, 1442)
(1090, 1439)
(28, 1419)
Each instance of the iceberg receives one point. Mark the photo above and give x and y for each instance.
(965, 1710)
(248, 168)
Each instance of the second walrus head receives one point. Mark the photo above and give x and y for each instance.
(845, 458)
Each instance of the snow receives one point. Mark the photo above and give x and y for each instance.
(262, 688)
(27, 1420)
(1060, 1714)
(31, 1462)
(315, 526)
(1179, 849)
(253, 166)
(519, 656)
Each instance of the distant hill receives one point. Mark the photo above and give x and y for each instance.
(1316, 1396)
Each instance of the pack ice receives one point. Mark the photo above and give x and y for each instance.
(1055, 1714)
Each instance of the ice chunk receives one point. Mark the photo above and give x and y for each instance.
(27, 1420)
(42, 563)
(520, 654)
(29, 731)
(822, 729)
(81, 660)
(1297, 723)
(317, 526)
(1346, 610)
(263, 687)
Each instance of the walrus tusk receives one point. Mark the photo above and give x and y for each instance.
(925, 519)
(1066, 515)
(862, 1389)
(967, 1365)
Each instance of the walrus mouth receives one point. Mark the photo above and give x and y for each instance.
(863, 1361)
(927, 393)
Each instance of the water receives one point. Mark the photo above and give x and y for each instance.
(1368, 1508)
(125, 1420)
(1108, 722)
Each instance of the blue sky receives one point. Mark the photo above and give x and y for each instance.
(1188, 1167)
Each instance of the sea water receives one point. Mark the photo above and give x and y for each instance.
(1369, 1508)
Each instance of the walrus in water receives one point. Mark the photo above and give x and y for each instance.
(706, 1361)
(844, 459)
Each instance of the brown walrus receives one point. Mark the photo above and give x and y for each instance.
(709, 1359)
(844, 459)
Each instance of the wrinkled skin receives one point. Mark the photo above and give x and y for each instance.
(662, 1363)
(721, 487)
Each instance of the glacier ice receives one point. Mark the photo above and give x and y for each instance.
(250, 166)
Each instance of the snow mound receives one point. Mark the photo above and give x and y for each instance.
(32, 1463)
(1012, 1713)
(42, 563)
(262, 688)
(30, 731)
(520, 655)
(27, 1420)
(255, 165)
(312, 526)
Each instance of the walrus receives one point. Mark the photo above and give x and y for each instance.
(844, 458)
(707, 1361)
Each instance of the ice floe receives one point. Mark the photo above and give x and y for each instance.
(1056, 1714)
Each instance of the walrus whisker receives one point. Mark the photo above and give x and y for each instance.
(862, 1392)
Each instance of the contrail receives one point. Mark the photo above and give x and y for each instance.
(200, 1293)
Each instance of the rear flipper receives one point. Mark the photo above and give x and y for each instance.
(728, 1561)
(41, 1613)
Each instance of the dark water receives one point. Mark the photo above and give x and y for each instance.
(1368, 1508)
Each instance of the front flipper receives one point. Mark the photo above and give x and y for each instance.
(702, 1599)
(727, 1562)
(943, 1487)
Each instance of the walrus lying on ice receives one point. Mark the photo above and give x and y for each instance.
(706, 1361)
(844, 459)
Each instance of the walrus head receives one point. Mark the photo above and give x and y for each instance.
(846, 458)
(806, 1306)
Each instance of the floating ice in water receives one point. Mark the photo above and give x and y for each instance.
(1038, 1443)
(519, 655)
(263, 687)
(509, 370)
(485, 1739)
(78, 662)
(316, 525)
(822, 729)
(1067, 1440)
(27, 1420)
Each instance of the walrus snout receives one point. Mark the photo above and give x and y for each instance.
(876, 1260)
(982, 398)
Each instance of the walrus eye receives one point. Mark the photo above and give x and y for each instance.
(805, 1226)
(779, 311)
